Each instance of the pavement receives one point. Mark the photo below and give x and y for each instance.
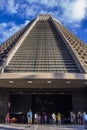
(40, 127)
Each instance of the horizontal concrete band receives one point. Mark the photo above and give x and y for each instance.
(42, 76)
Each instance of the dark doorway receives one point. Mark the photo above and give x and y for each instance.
(39, 102)
(52, 103)
(20, 105)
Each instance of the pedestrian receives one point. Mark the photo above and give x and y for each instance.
(85, 119)
(53, 118)
(71, 117)
(29, 117)
(45, 118)
(74, 118)
(58, 118)
(7, 118)
(36, 118)
(39, 118)
(79, 117)
(49, 118)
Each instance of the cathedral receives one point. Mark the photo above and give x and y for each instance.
(43, 67)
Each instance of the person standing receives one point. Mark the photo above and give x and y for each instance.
(7, 118)
(53, 118)
(49, 118)
(85, 119)
(58, 118)
(45, 117)
(73, 118)
(36, 118)
(79, 117)
(39, 118)
(29, 117)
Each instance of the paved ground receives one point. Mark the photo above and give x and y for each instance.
(40, 127)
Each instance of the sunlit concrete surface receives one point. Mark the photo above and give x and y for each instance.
(40, 127)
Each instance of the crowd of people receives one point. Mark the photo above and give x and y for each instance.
(77, 118)
(8, 119)
(43, 118)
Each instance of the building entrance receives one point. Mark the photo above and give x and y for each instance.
(52, 103)
(39, 103)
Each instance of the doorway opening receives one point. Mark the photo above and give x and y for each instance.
(46, 104)
(39, 103)
(52, 103)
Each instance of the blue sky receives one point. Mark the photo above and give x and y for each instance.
(14, 14)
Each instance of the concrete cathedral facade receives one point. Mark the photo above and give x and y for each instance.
(43, 67)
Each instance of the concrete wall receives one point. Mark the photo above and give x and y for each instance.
(79, 100)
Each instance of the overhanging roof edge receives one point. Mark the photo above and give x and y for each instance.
(42, 76)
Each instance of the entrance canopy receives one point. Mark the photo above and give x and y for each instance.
(43, 80)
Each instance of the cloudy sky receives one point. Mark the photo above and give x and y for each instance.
(14, 14)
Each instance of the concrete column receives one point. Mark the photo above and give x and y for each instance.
(4, 105)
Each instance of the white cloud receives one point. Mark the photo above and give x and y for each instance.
(50, 3)
(79, 9)
(71, 10)
(74, 11)
(12, 7)
(43, 12)
(8, 29)
(32, 1)
(26, 22)
(47, 3)
(66, 10)
(30, 12)
(2, 25)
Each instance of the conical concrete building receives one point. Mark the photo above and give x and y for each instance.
(43, 67)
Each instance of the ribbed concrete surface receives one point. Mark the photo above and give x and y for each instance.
(43, 50)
